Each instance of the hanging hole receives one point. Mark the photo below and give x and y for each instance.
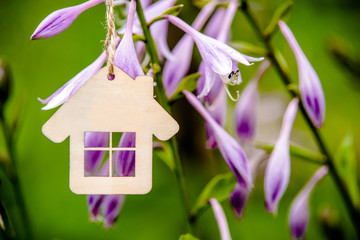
(110, 77)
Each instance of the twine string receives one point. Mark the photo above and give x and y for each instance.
(110, 38)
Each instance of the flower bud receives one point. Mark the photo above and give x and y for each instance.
(277, 172)
(312, 94)
(60, 20)
(5, 81)
(299, 211)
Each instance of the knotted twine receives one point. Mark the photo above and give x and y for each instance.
(110, 38)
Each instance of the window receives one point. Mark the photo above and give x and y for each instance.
(109, 152)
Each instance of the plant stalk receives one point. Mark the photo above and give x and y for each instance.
(352, 210)
(13, 176)
(161, 96)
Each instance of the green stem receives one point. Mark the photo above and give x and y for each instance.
(161, 96)
(8, 233)
(353, 211)
(13, 176)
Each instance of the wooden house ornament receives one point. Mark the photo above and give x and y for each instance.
(120, 105)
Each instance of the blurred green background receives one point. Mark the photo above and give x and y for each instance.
(40, 67)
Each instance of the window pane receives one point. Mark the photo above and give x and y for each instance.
(124, 163)
(96, 139)
(95, 163)
(126, 139)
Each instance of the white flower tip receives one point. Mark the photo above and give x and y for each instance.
(271, 208)
(43, 101)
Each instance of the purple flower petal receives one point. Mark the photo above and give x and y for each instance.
(312, 94)
(61, 19)
(218, 110)
(217, 56)
(221, 219)
(299, 211)
(94, 203)
(125, 55)
(176, 68)
(245, 109)
(93, 159)
(277, 172)
(111, 207)
(238, 199)
(215, 23)
(231, 151)
(125, 160)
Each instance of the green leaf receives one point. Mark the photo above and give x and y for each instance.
(175, 10)
(248, 48)
(299, 152)
(345, 163)
(188, 83)
(218, 187)
(281, 12)
(188, 236)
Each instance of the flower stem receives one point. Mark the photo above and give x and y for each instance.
(161, 96)
(353, 211)
(13, 176)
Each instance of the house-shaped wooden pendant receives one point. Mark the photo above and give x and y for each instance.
(117, 106)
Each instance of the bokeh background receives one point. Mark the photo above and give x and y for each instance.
(42, 66)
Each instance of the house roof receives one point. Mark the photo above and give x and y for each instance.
(120, 105)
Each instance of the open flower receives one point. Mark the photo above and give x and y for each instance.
(245, 109)
(218, 57)
(299, 211)
(312, 94)
(125, 55)
(220, 219)
(231, 151)
(177, 67)
(61, 19)
(277, 172)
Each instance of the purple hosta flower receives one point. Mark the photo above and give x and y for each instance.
(218, 57)
(160, 28)
(240, 195)
(277, 172)
(231, 151)
(220, 219)
(216, 103)
(125, 160)
(217, 110)
(61, 19)
(175, 69)
(224, 28)
(215, 23)
(245, 109)
(125, 55)
(145, 3)
(93, 159)
(94, 201)
(312, 94)
(238, 199)
(299, 211)
(111, 207)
